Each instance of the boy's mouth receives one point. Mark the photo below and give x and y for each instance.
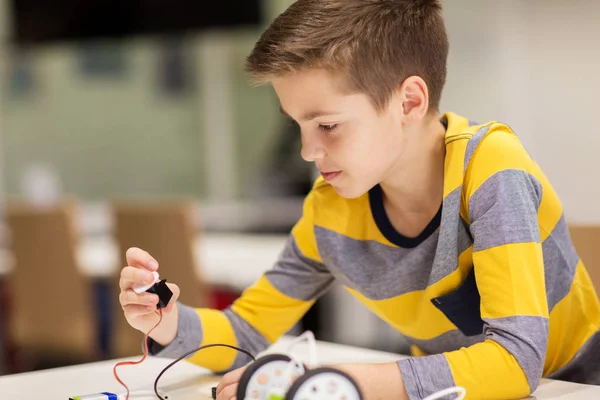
(331, 175)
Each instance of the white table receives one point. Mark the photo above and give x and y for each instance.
(236, 260)
(189, 382)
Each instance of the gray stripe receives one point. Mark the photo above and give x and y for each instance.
(585, 366)
(247, 338)
(454, 238)
(474, 143)
(189, 335)
(374, 269)
(560, 261)
(424, 376)
(503, 210)
(449, 341)
(297, 276)
(473, 123)
(526, 338)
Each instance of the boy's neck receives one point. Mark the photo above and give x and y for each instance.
(415, 187)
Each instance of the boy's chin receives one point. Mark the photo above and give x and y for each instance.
(349, 191)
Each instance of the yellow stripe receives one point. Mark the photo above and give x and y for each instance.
(269, 311)
(415, 351)
(457, 135)
(306, 242)
(338, 211)
(550, 210)
(303, 231)
(579, 308)
(486, 369)
(511, 281)
(454, 165)
(418, 317)
(457, 126)
(215, 329)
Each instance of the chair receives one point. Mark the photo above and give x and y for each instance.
(166, 230)
(3, 347)
(586, 239)
(52, 314)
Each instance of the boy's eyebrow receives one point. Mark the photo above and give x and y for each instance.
(309, 116)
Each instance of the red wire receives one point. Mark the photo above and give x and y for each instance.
(136, 362)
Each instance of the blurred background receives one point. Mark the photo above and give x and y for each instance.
(132, 123)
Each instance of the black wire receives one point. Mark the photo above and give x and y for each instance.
(192, 352)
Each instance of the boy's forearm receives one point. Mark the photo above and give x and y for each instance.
(377, 381)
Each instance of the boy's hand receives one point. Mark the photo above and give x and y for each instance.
(227, 387)
(140, 309)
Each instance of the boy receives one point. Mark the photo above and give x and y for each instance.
(443, 227)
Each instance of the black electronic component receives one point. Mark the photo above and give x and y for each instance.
(161, 289)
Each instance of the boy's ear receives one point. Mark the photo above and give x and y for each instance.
(415, 98)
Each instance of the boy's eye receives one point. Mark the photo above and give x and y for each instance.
(328, 128)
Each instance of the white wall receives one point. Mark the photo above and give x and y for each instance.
(565, 55)
(534, 64)
(119, 134)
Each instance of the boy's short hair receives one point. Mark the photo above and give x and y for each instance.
(374, 44)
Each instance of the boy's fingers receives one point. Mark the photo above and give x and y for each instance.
(230, 379)
(140, 258)
(228, 392)
(134, 310)
(129, 297)
(132, 276)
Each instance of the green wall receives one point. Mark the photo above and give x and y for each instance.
(118, 134)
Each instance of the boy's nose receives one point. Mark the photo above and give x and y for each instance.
(312, 149)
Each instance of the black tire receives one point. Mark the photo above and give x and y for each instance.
(297, 385)
(252, 368)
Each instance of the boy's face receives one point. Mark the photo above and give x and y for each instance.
(353, 145)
